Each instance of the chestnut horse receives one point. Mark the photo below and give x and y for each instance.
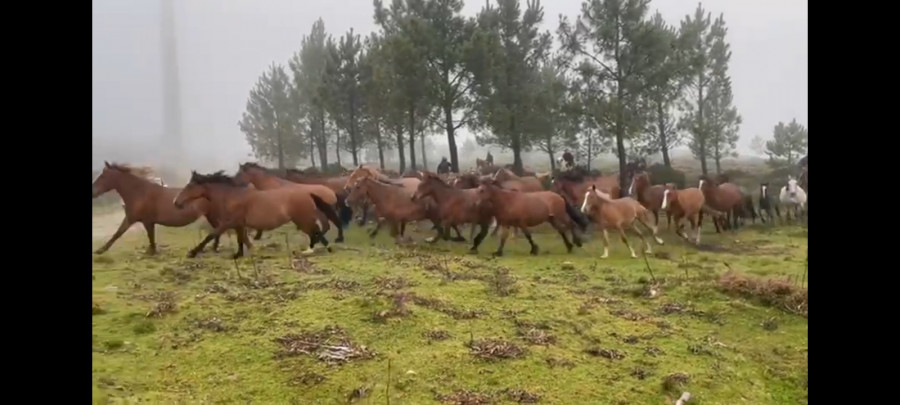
(455, 207)
(619, 213)
(649, 196)
(687, 203)
(408, 184)
(242, 207)
(394, 205)
(574, 183)
(511, 181)
(725, 197)
(336, 184)
(524, 210)
(146, 202)
(265, 179)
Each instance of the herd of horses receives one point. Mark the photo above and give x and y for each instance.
(263, 199)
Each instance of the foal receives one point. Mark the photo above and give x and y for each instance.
(649, 196)
(687, 203)
(619, 213)
(242, 207)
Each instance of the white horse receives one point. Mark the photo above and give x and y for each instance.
(793, 198)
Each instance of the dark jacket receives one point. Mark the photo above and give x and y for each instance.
(443, 167)
(568, 158)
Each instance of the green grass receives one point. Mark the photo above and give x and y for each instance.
(211, 336)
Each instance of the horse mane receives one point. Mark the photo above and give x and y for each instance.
(218, 177)
(426, 175)
(144, 172)
(600, 194)
(382, 182)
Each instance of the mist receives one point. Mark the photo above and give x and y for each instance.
(224, 45)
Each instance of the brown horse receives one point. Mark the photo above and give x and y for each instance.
(336, 184)
(455, 207)
(510, 181)
(408, 184)
(649, 196)
(619, 213)
(524, 210)
(394, 205)
(265, 179)
(243, 207)
(573, 184)
(680, 204)
(146, 202)
(725, 197)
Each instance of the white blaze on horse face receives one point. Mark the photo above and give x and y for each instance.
(764, 189)
(631, 188)
(665, 202)
(584, 205)
(701, 185)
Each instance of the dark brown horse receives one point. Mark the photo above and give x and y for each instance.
(573, 184)
(728, 199)
(394, 205)
(515, 209)
(242, 207)
(146, 202)
(267, 179)
(649, 196)
(455, 207)
(336, 184)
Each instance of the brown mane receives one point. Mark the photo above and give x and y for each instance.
(144, 172)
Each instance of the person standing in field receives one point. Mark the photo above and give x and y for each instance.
(444, 166)
(489, 158)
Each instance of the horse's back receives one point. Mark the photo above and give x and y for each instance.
(323, 192)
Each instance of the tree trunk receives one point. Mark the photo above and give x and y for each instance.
(516, 147)
(718, 157)
(701, 128)
(379, 145)
(399, 132)
(424, 155)
(552, 160)
(312, 147)
(620, 140)
(451, 139)
(280, 149)
(590, 151)
(337, 146)
(322, 143)
(412, 137)
(354, 145)
(663, 136)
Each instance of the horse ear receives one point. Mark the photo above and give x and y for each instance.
(106, 163)
(360, 165)
(594, 187)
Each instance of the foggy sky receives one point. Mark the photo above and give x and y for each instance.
(224, 45)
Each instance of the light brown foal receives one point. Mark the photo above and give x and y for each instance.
(687, 203)
(619, 213)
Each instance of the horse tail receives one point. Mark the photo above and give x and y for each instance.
(709, 210)
(576, 215)
(344, 210)
(326, 209)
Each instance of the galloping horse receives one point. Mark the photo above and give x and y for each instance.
(146, 202)
(455, 207)
(649, 196)
(619, 213)
(242, 207)
(725, 197)
(793, 198)
(407, 184)
(336, 184)
(767, 204)
(393, 204)
(511, 181)
(265, 179)
(687, 203)
(524, 210)
(574, 183)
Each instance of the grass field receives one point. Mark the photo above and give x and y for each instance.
(377, 323)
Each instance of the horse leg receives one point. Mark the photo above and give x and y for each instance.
(482, 233)
(472, 231)
(150, 227)
(241, 234)
(459, 237)
(258, 234)
(534, 247)
(438, 233)
(640, 234)
(126, 223)
(605, 244)
(625, 240)
(503, 236)
(653, 229)
(223, 226)
(656, 217)
(378, 225)
(496, 227)
(695, 226)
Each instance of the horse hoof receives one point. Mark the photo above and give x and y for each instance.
(328, 248)
(192, 254)
(497, 254)
(473, 251)
(99, 251)
(533, 252)
(578, 243)
(339, 239)
(237, 256)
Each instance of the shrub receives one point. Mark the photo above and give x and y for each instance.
(662, 174)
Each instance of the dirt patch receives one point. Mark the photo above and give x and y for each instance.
(537, 336)
(436, 335)
(398, 309)
(521, 396)
(166, 305)
(501, 282)
(466, 397)
(775, 293)
(307, 379)
(303, 265)
(554, 362)
(446, 308)
(335, 283)
(394, 283)
(611, 354)
(495, 349)
(330, 345)
(676, 382)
